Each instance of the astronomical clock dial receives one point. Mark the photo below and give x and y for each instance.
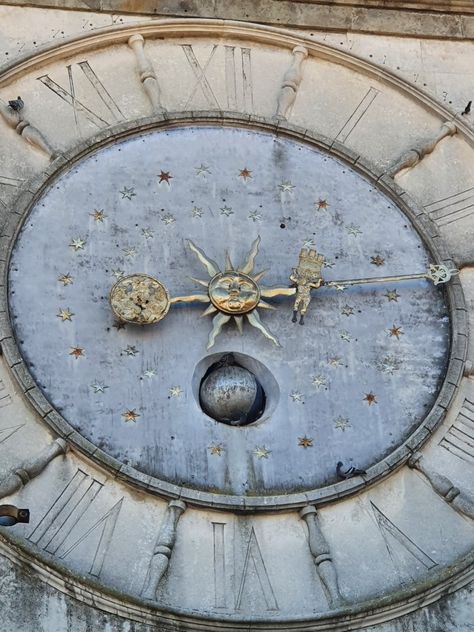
(239, 329)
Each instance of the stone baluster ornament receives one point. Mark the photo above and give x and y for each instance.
(146, 72)
(322, 556)
(461, 501)
(20, 476)
(163, 548)
(416, 154)
(26, 130)
(291, 81)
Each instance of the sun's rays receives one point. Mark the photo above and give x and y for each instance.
(233, 293)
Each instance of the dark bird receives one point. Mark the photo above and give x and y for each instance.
(467, 109)
(349, 473)
(17, 104)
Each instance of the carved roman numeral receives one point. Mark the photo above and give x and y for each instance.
(391, 532)
(100, 91)
(238, 78)
(254, 559)
(254, 575)
(356, 116)
(6, 433)
(459, 439)
(5, 397)
(452, 208)
(218, 535)
(61, 529)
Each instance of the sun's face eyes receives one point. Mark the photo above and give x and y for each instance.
(234, 293)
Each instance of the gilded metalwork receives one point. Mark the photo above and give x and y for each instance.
(139, 299)
(233, 292)
(306, 276)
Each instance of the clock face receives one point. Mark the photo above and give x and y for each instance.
(204, 210)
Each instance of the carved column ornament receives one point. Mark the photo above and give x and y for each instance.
(461, 501)
(416, 154)
(146, 72)
(163, 548)
(322, 556)
(26, 130)
(291, 82)
(20, 476)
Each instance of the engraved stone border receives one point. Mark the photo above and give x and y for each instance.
(355, 617)
(32, 191)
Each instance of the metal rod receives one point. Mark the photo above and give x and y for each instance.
(400, 277)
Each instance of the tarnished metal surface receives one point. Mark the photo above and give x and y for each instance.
(139, 299)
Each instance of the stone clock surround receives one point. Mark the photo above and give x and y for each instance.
(419, 220)
(95, 593)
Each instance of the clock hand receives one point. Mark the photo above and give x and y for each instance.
(438, 273)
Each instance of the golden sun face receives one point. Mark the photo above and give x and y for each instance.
(235, 293)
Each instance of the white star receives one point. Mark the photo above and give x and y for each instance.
(131, 350)
(149, 373)
(286, 186)
(309, 243)
(296, 396)
(255, 216)
(202, 170)
(345, 335)
(147, 233)
(318, 381)
(118, 274)
(175, 391)
(329, 264)
(352, 229)
(127, 193)
(129, 252)
(335, 361)
(98, 387)
(261, 452)
(168, 219)
(389, 365)
(197, 212)
(77, 244)
(226, 210)
(342, 423)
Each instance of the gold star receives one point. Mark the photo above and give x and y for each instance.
(65, 314)
(396, 331)
(245, 174)
(377, 260)
(370, 398)
(305, 442)
(98, 214)
(392, 295)
(335, 361)
(321, 204)
(175, 391)
(130, 415)
(165, 176)
(77, 352)
(66, 279)
(261, 452)
(216, 448)
(77, 244)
